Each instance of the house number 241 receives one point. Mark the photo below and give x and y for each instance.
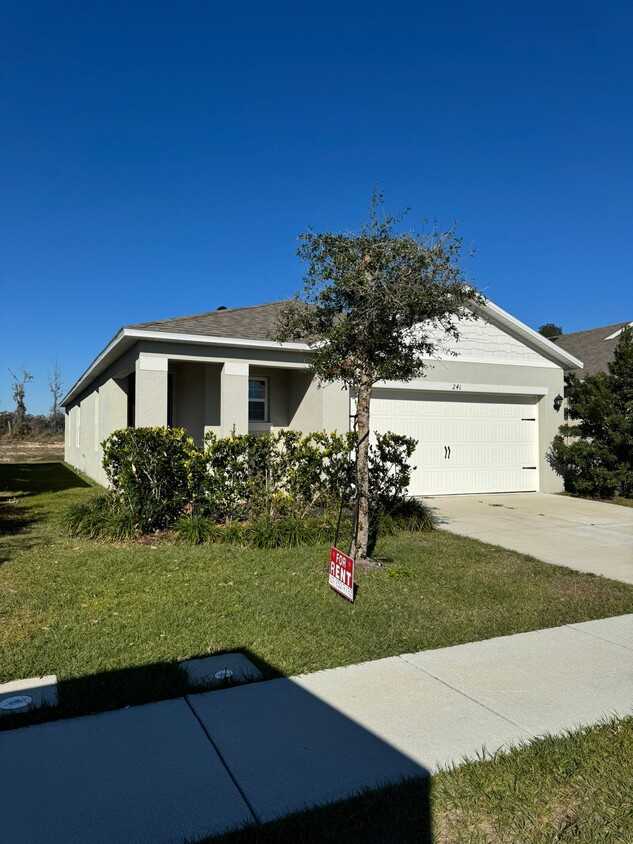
(457, 386)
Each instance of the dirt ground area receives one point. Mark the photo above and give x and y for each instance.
(31, 451)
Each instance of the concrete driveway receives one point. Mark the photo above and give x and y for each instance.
(589, 536)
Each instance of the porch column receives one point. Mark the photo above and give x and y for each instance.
(234, 399)
(151, 391)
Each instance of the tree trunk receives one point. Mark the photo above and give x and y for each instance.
(360, 540)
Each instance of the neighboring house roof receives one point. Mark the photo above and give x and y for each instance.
(253, 322)
(254, 325)
(594, 347)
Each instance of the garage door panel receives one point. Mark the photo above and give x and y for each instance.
(491, 440)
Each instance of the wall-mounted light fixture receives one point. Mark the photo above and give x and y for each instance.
(558, 402)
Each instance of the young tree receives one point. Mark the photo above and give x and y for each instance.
(55, 386)
(19, 389)
(595, 455)
(371, 305)
(550, 330)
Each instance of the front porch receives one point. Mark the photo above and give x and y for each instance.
(231, 397)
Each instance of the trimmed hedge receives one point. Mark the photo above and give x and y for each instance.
(262, 490)
(153, 473)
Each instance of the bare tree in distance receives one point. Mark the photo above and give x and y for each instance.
(56, 387)
(19, 390)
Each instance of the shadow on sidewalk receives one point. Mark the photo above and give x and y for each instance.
(284, 749)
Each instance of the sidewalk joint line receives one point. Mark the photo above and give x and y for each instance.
(223, 761)
(595, 636)
(467, 696)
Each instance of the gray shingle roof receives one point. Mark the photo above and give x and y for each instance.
(254, 322)
(591, 347)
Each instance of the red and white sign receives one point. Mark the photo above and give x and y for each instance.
(341, 576)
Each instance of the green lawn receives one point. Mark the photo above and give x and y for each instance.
(111, 619)
(573, 788)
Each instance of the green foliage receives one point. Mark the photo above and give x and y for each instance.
(375, 297)
(389, 469)
(372, 307)
(193, 529)
(154, 473)
(264, 531)
(231, 465)
(99, 518)
(267, 491)
(408, 515)
(595, 455)
(550, 330)
(289, 532)
(274, 474)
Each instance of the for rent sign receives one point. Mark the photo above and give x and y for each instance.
(341, 573)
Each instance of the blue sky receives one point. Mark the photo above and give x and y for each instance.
(160, 159)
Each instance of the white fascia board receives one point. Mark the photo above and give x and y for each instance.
(498, 315)
(128, 336)
(458, 390)
(618, 332)
(209, 340)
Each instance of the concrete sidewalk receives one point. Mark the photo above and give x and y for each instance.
(590, 536)
(210, 762)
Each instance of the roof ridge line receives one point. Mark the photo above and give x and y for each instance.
(208, 313)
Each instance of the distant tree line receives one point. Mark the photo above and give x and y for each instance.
(18, 422)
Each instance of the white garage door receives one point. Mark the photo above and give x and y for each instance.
(466, 443)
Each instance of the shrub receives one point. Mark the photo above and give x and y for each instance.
(99, 519)
(409, 515)
(193, 529)
(231, 533)
(277, 475)
(389, 469)
(274, 490)
(154, 474)
(289, 532)
(595, 455)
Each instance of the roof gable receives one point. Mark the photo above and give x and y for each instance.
(484, 340)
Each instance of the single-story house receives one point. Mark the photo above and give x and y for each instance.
(484, 418)
(594, 347)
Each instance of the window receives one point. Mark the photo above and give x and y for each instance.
(258, 399)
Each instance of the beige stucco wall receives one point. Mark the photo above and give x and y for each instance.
(151, 390)
(89, 422)
(98, 411)
(189, 394)
(203, 384)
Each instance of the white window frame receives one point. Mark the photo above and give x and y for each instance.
(78, 426)
(263, 401)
